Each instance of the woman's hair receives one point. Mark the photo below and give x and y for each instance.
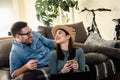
(71, 49)
(17, 26)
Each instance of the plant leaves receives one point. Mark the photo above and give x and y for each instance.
(48, 10)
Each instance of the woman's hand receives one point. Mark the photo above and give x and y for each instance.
(74, 66)
(67, 67)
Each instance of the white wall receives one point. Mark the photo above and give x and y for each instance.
(7, 16)
(103, 19)
(31, 14)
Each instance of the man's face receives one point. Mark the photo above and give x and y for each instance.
(25, 36)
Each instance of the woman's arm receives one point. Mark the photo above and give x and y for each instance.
(53, 63)
(81, 59)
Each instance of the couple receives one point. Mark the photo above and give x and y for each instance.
(31, 50)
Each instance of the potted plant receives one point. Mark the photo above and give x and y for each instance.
(48, 10)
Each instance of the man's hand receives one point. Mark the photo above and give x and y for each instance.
(74, 33)
(32, 64)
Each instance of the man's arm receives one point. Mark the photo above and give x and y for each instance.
(47, 42)
(31, 65)
(19, 71)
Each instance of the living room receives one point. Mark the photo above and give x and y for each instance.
(103, 65)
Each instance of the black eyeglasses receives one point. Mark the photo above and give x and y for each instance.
(28, 33)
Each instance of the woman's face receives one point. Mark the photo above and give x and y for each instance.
(61, 37)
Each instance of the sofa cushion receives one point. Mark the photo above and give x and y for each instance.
(5, 46)
(81, 34)
(95, 58)
(110, 52)
(94, 39)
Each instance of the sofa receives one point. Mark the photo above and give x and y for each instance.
(102, 62)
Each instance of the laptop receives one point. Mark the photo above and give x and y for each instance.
(73, 76)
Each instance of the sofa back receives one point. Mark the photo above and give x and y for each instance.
(5, 47)
(81, 34)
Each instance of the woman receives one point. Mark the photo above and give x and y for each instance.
(66, 58)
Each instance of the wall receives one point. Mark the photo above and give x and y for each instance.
(103, 18)
(7, 16)
(25, 10)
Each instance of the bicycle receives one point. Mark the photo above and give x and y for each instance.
(117, 29)
(94, 27)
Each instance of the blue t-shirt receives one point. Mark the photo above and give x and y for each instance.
(39, 50)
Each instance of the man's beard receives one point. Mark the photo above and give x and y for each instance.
(28, 43)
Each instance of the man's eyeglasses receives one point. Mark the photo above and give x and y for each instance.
(28, 33)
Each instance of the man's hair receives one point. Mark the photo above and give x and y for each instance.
(17, 27)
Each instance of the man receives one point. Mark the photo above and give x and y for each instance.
(30, 50)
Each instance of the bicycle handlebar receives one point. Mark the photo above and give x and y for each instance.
(99, 9)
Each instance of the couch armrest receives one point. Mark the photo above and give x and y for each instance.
(5, 74)
(5, 47)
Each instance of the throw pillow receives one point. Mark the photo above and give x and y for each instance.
(45, 31)
(81, 34)
(94, 39)
(41, 30)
